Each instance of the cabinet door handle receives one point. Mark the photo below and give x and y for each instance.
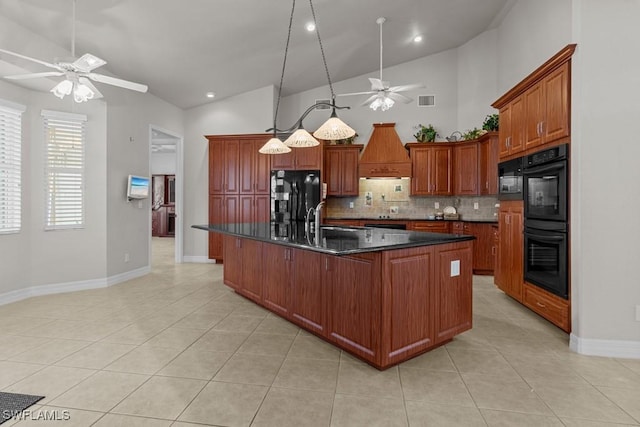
(493, 250)
(539, 304)
(506, 219)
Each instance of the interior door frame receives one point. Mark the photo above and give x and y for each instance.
(179, 188)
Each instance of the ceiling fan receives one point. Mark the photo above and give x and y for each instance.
(384, 96)
(78, 73)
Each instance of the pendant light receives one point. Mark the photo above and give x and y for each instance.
(332, 129)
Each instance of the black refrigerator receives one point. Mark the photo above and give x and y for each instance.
(293, 193)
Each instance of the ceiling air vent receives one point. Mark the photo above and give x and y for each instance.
(426, 100)
(323, 107)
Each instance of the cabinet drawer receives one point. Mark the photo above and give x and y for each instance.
(546, 305)
(430, 226)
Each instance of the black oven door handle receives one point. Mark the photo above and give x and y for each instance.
(544, 238)
(544, 169)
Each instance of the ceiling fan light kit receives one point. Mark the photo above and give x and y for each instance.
(332, 129)
(77, 73)
(384, 96)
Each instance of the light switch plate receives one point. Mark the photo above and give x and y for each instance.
(476, 206)
(455, 268)
(351, 205)
(436, 205)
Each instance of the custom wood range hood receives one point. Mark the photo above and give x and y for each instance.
(384, 156)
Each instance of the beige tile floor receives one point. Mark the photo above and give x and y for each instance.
(177, 348)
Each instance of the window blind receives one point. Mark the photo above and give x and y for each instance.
(64, 170)
(10, 167)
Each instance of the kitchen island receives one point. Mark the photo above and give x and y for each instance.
(383, 295)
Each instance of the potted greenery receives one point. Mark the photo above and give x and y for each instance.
(473, 134)
(491, 123)
(425, 134)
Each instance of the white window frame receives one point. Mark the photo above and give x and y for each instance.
(10, 166)
(64, 170)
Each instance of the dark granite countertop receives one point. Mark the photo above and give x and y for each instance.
(335, 240)
(487, 221)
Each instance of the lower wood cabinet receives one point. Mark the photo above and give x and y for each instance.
(383, 307)
(430, 226)
(554, 309)
(509, 262)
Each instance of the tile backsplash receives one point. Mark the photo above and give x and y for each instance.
(390, 197)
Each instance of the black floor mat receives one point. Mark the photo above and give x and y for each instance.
(12, 404)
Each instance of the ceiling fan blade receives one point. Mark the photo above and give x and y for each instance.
(399, 97)
(369, 92)
(46, 64)
(377, 84)
(404, 88)
(85, 81)
(88, 62)
(117, 82)
(35, 75)
(369, 100)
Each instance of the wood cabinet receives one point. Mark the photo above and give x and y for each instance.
(431, 169)
(306, 158)
(488, 163)
(483, 256)
(341, 169)
(453, 298)
(465, 166)
(511, 128)
(509, 262)
(554, 309)
(347, 222)
(547, 108)
(244, 266)
(239, 183)
(537, 110)
(354, 286)
(383, 307)
(430, 226)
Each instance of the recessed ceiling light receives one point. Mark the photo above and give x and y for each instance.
(417, 39)
(310, 26)
(211, 95)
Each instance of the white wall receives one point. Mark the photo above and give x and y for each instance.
(251, 112)
(434, 71)
(477, 80)
(605, 154)
(129, 223)
(163, 164)
(36, 257)
(532, 32)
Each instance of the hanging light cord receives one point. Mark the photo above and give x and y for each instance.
(284, 65)
(324, 60)
(382, 22)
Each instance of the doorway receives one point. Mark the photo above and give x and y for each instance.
(165, 164)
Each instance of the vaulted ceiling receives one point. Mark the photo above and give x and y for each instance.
(183, 49)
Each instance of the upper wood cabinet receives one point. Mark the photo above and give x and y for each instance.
(431, 169)
(341, 169)
(536, 111)
(307, 158)
(465, 167)
(488, 164)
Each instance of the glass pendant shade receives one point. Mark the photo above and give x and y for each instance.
(274, 146)
(333, 129)
(301, 138)
(62, 89)
(382, 102)
(82, 93)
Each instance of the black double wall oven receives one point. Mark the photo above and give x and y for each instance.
(546, 223)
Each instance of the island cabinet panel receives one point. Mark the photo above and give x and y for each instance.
(243, 270)
(354, 312)
(453, 301)
(408, 298)
(308, 295)
(276, 262)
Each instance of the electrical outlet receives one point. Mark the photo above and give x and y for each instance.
(351, 205)
(476, 206)
(638, 313)
(455, 268)
(393, 209)
(436, 205)
(126, 257)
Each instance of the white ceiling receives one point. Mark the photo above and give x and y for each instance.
(183, 49)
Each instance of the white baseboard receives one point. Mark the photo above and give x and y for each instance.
(198, 259)
(82, 285)
(605, 348)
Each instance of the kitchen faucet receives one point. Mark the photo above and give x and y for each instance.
(316, 230)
